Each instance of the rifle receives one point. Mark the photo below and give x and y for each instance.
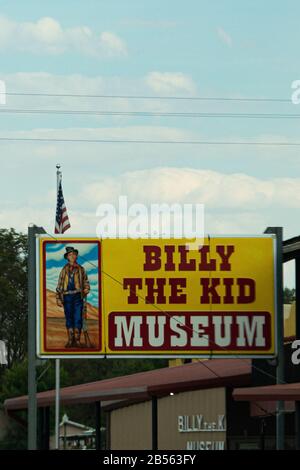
(88, 342)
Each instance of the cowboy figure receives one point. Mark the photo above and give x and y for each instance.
(72, 288)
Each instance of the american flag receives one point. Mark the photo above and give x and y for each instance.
(62, 222)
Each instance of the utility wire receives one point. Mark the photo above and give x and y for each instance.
(147, 97)
(133, 141)
(152, 113)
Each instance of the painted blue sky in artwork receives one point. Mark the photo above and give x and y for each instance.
(88, 258)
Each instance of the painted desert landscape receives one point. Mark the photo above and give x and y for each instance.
(56, 337)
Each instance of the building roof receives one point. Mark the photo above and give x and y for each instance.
(70, 428)
(67, 421)
(285, 392)
(291, 248)
(144, 385)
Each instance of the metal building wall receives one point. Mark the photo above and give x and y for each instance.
(130, 427)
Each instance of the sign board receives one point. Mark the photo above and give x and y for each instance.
(69, 303)
(157, 297)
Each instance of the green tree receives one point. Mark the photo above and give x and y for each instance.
(13, 293)
(289, 295)
(15, 438)
(14, 380)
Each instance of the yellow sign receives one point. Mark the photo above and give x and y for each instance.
(159, 297)
(162, 298)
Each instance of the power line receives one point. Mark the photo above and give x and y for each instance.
(124, 141)
(152, 113)
(147, 97)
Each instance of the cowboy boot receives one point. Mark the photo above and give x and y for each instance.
(70, 342)
(77, 334)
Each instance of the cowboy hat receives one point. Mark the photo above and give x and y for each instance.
(70, 249)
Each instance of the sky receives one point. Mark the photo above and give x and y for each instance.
(213, 49)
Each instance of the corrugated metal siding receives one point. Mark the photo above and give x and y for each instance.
(130, 427)
(210, 403)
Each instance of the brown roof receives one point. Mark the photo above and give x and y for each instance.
(286, 392)
(291, 248)
(268, 408)
(144, 385)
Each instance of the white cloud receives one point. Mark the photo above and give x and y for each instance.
(94, 278)
(225, 37)
(58, 255)
(234, 203)
(167, 82)
(47, 36)
(113, 43)
(90, 264)
(52, 273)
(212, 188)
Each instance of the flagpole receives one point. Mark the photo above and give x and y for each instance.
(57, 361)
(57, 389)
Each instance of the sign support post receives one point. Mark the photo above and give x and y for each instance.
(32, 385)
(98, 424)
(278, 231)
(154, 423)
(297, 403)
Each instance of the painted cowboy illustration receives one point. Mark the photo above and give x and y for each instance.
(72, 288)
